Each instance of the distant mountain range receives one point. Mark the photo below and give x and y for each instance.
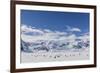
(54, 45)
(45, 40)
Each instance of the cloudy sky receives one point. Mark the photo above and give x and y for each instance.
(53, 24)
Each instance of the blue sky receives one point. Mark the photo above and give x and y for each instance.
(55, 21)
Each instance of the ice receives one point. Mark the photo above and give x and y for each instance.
(53, 46)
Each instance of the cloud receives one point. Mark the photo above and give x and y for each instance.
(27, 29)
(47, 31)
(43, 34)
(48, 34)
(73, 29)
(61, 33)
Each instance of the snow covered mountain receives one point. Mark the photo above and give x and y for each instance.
(53, 46)
(38, 40)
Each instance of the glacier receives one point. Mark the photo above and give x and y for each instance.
(43, 40)
(54, 45)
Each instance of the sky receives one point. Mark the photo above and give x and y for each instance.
(51, 26)
(75, 22)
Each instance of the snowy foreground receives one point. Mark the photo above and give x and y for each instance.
(41, 45)
(53, 56)
(54, 50)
